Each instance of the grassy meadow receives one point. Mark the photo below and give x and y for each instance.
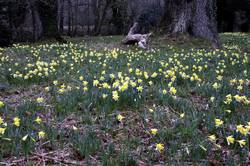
(96, 102)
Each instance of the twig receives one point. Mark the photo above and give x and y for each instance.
(62, 161)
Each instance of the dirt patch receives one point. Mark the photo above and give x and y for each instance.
(18, 97)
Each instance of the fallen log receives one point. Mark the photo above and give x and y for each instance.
(132, 38)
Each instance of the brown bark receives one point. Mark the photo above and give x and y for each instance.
(194, 17)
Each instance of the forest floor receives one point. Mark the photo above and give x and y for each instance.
(96, 102)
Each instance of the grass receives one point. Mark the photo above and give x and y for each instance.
(95, 102)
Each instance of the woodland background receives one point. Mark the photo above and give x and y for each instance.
(31, 20)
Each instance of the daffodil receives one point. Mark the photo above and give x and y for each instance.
(216, 85)
(228, 111)
(154, 131)
(81, 78)
(120, 117)
(123, 87)
(46, 89)
(16, 121)
(146, 75)
(38, 120)
(212, 99)
(172, 91)
(182, 115)
(115, 95)
(230, 140)
(85, 89)
(218, 122)
(85, 83)
(248, 126)
(104, 96)
(159, 147)
(2, 130)
(139, 88)
(219, 77)
(25, 137)
(40, 99)
(242, 142)
(74, 128)
(41, 134)
(1, 104)
(238, 98)
(1, 120)
(151, 110)
(240, 87)
(154, 75)
(55, 82)
(212, 138)
(228, 99)
(242, 129)
(95, 83)
(61, 90)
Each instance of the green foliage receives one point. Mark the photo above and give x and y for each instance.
(71, 89)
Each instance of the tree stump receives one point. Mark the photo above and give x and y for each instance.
(132, 38)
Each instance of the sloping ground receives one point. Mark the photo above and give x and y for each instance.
(96, 102)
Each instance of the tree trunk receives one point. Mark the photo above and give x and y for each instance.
(69, 17)
(101, 18)
(196, 17)
(12, 16)
(75, 23)
(119, 12)
(60, 16)
(5, 32)
(48, 14)
(33, 20)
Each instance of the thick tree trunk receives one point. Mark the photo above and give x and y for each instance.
(28, 20)
(12, 16)
(196, 17)
(32, 20)
(5, 32)
(119, 13)
(48, 14)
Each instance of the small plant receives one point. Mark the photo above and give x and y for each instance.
(86, 144)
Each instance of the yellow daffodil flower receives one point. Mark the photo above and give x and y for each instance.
(40, 100)
(2, 130)
(159, 147)
(16, 121)
(38, 120)
(230, 140)
(218, 122)
(41, 134)
(1, 104)
(120, 117)
(154, 131)
(212, 138)
(242, 142)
